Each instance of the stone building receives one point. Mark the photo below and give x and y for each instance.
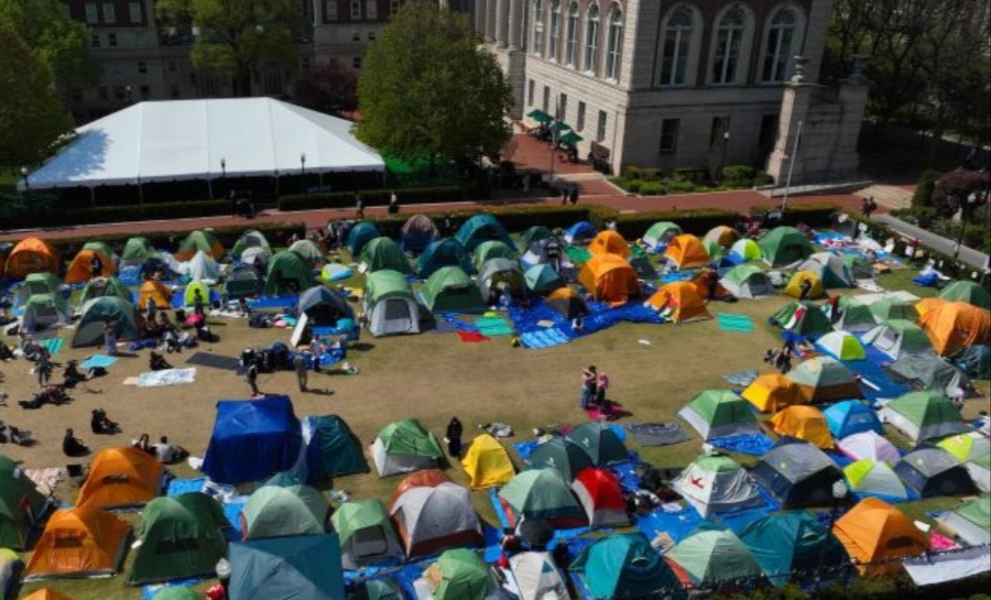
(662, 83)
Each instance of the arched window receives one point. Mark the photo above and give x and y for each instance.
(592, 39)
(571, 42)
(780, 36)
(677, 46)
(615, 42)
(555, 37)
(538, 27)
(729, 38)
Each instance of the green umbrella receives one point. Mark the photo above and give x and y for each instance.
(540, 116)
(560, 127)
(571, 138)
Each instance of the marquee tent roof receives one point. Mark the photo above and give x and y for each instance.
(186, 139)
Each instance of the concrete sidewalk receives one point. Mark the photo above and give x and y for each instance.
(969, 256)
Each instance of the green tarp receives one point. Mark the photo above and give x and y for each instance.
(623, 566)
(451, 290)
(384, 253)
(967, 291)
(273, 511)
(783, 246)
(18, 495)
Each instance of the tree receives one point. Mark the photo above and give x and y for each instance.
(330, 88)
(953, 190)
(235, 37)
(56, 40)
(31, 116)
(429, 90)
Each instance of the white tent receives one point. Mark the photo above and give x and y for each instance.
(202, 267)
(188, 139)
(538, 577)
(714, 484)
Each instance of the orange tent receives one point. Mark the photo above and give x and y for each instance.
(32, 255)
(875, 531)
(772, 392)
(927, 304)
(80, 269)
(422, 478)
(701, 283)
(79, 542)
(805, 423)
(46, 594)
(680, 302)
(956, 325)
(609, 278)
(721, 235)
(157, 292)
(121, 477)
(609, 242)
(686, 251)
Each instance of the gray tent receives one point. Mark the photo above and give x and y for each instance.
(930, 372)
(389, 304)
(323, 306)
(797, 474)
(498, 274)
(97, 312)
(932, 471)
(250, 239)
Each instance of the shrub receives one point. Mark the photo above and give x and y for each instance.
(741, 173)
(371, 198)
(630, 172)
(763, 178)
(813, 214)
(652, 188)
(691, 174)
(620, 182)
(634, 186)
(923, 195)
(117, 214)
(681, 185)
(651, 174)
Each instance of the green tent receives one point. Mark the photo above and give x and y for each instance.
(578, 255)
(623, 566)
(855, 316)
(541, 494)
(824, 379)
(180, 537)
(378, 589)
(714, 250)
(44, 283)
(745, 250)
(450, 289)
(858, 267)
(274, 511)
(389, 304)
(460, 575)
(94, 315)
(138, 249)
(492, 249)
(974, 361)
(600, 442)
(284, 479)
(532, 234)
(384, 253)
(45, 310)
(480, 228)
(361, 234)
(243, 281)
(562, 455)
(542, 279)
(446, 252)
(287, 274)
(802, 318)
(405, 446)
(331, 448)
(250, 239)
(970, 522)
(20, 505)
(102, 247)
(887, 309)
(788, 542)
(784, 246)
(200, 240)
(747, 280)
(309, 250)
(104, 286)
(177, 593)
(718, 413)
(967, 291)
(896, 337)
(977, 511)
(924, 416)
(711, 557)
(365, 533)
(660, 232)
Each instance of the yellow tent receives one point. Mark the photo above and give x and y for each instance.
(157, 292)
(772, 392)
(794, 287)
(805, 423)
(486, 463)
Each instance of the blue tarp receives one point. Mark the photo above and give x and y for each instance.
(752, 444)
(252, 440)
(678, 525)
(872, 370)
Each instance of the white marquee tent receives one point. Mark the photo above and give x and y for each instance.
(188, 139)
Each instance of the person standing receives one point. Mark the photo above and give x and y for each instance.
(601, 387)
(109, 339)
(805, 289)
(302, 375)
(359, 206)
(574, 194)
(393, 203)
(198, 303)
(44, 367)
(252, 376)
(589, 382)
(453, 434)
(96, 265)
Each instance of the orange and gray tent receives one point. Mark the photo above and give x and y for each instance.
(609, 278)
(805, 423)
(79, 542)
(204, 240)
(567, 303)
(154, 291)
(686, 251)
(32, 255)
(824, 379)
(431, 519)
(721, 235)
(81, 267)
(956, 325)
(121, 477)
(876, 535)
(772, 392)
(423, 478)
(609, 242)
(680, 302)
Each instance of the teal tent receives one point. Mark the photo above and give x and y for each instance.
(447, 252)
(623, 566)
(481, 228)
(532, 234)
(121, 314)
(287, 568)
(600, 442)
(784, 246)
(788, 542)
(331, 448)
(361, 234)
(383, 253)
(967, 291)
(287, 274)
(542, 279)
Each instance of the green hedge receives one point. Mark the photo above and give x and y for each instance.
(371, 198)
(117, 214)
(813, 214)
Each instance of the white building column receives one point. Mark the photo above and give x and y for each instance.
(515, 19)
(480, 16)
(502, 22)
(491, 20)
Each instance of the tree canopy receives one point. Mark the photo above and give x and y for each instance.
(329, 88)
(60, 43)
(429, 90)
(234, 38)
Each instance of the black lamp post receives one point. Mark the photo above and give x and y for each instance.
(302, 169)
(27, 182)
(840, 491)
(223, 172)
(965, 207)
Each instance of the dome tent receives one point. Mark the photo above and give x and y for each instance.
(533, 234)
(79, 542)
(679, 302)
(252, 439)
(887, 309)
(714, 484)
(803, 318)
(562, 455)
(797, 473)
(784, 246)
(323, 306)
(851, 417)
(538, 577)
(875, 534)
(487, 463)
(309, 251)
(417, 233)
(302, 566)
(403, 447)
(922, 416)
(250, 239)
(359, 235)
(450, 289)
(599, 493)
(801, 278)
(967, 291)
(273, 511)
(660, 233)
(243, 281)
(623, 566)
(747, 281)
(772, 392)
(446, 252)
(718, 413)
(609, 278)
(480, 228)
(287, 273)
(841, 345)
(42, 311)
(32, 255)
(805, 423)
(431, 519)
(710, 556)
(868, 445)
(383, 253)
(81, 267)
(21, 505)
(104, 286)
(600, 442)
(121, 477)
(789, 542)
(855, 316)
(830, 269)
(200, 240)
(868, 477)
(94, 315)
(898, 337)
(331, 448)
(824, 379)
(579, 233)
(954, 326)
(686, 251)
(971, 521)
(389, 304)
(609, 242)
(499, 274)
(460, 575)
(365, 533)
(541, 495)
(137, 250)
(932, 471)
(542, 279)
(492, 249)
(721, 235)
(745, 250)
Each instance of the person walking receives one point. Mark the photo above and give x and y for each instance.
(574, 194)
(453, 435)
(589, 383)
(109, 339)
(252, 376)
(359, 206)
(393, 203)
(44, 367)
(302, 374)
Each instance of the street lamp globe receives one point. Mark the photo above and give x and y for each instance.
(24, 171)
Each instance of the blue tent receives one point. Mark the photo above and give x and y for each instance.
(792, 542)
(252, 439)
(482, 228)
(287, 568)
(850, 417)
(331, 448)
(579, 232)
(623, 565)
(361, 234)
(447, 252)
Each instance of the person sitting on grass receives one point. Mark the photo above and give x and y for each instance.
(143, 444)
(169, 453)
(101, 424)
(157, 362)
(71, 446)
(71, 375)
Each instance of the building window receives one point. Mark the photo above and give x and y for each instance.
(356, 63)
(273, 83)
(330, 10)
(572, 40)
(580, 124)
(531, 86)
(547, 98)
(101, 92)
(94, 40)
(355, 10)
(372, 9)
(669, 134)
(677, 46)
(91, 15)
(718, 131)
(592, 40)
(172, 66)
(143, 68)
(562, 107)
(145, 92)
(119, 93)
(615, 42)
(538, 27)
(729, 38)
(355, 36)
(174, 91)
(112, 40)
(76, 94)
(394, 6)
(109, 14)
(768, 132)
(555, 37)
(600, 130)
(779, 40)
(135, 11)
(371, 36)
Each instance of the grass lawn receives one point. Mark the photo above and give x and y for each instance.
(431, 377)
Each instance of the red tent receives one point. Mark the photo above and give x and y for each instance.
(600, 495)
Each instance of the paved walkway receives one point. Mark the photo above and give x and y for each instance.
(969, 256)
(888, 196)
